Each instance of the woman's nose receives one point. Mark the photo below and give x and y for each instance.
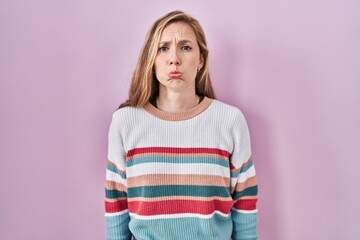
(174, 58)
(175, 62)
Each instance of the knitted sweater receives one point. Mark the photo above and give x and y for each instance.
(185, 175)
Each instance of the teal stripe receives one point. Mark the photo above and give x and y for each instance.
(250, 191)
(178, 190)
(216, 227)
(242, 170)
(115, 193)
(115, 170)
(234, 174)
(249, 165)
(173, 159)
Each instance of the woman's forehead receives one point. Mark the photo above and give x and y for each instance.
(178, 31)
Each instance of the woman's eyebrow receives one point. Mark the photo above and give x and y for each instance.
(182, 41)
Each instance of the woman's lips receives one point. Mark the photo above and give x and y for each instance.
(175, 74)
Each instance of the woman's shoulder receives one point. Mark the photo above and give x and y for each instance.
(126, 112)
(230, 114)
(227, 109)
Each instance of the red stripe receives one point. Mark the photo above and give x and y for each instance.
(232, 167)
(177, 150)
(246, 204)
(179, 206)
(118, 206)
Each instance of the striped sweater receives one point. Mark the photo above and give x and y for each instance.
(185, 175)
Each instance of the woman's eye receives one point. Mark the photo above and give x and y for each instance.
(186, 48)
(163, 49)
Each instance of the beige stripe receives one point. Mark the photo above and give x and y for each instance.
(178, 155)
(248, 197)
(179, 116)
(113, 165)
(142, 199)
(178, 179)
(114, 199)
(250, 182)
(110, 185)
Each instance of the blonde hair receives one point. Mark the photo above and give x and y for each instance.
(144, 85)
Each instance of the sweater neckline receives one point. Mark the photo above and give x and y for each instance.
(179, 116)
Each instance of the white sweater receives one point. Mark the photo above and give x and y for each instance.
(185, 175)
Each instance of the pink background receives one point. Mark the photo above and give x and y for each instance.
(293, 67)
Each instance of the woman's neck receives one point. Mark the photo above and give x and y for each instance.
(177, 101)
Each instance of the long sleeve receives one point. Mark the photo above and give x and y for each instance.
(116, 209)
(244, 187)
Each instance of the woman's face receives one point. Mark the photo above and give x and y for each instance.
(178, 58)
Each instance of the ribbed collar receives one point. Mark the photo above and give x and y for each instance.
(179, 116)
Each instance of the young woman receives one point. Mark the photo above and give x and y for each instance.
(179, 161)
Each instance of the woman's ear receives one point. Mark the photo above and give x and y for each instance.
(201, 63)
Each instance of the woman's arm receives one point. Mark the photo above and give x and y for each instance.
(244, 187)
(116, 209)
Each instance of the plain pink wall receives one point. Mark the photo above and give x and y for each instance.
(291, 66)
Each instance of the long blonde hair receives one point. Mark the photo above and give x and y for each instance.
(144, 85)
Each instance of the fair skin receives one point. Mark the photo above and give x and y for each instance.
(176, 67)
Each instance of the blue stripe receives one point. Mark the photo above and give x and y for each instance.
(245, 168)
(115, 170)
(244, 225)
(250, 191)
(118, 226)
(115, 194)
(178, 190)
(234, 174)
(242, 170)
(176, 159)
(217, 227)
